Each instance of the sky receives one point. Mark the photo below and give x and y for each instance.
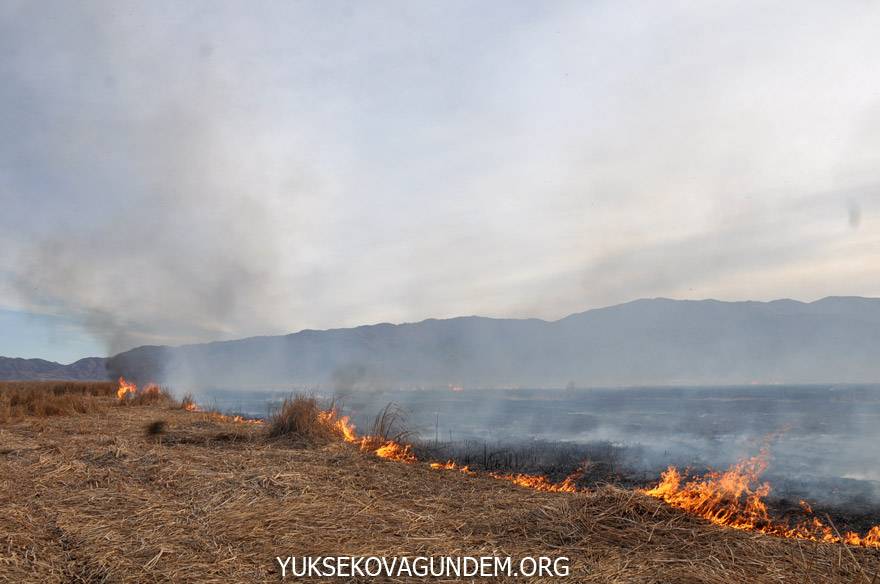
(183, 172)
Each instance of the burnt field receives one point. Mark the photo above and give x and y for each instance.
(143, 487)
(818, 438)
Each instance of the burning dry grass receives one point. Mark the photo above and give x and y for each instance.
(96, 498)
(736, 498)
(301, 418)
(188, 403)
(388, 436)
(542, 483)
(39, 399)
(93, 499)
(128, 394)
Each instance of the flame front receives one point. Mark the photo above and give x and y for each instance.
(542, 483)
(218, 417)
(392, 451)
(734, 498)
(381, 447)
(450, 465)
(243, 420)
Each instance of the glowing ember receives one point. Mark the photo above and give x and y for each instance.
(734, 498)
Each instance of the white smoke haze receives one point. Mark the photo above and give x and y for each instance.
(174, 173)
(177, 173)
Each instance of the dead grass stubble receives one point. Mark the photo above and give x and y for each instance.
(91, 498)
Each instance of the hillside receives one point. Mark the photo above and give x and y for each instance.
(645, 342)
(95, 498)
(89, 368)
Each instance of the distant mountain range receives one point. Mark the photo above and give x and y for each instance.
(645, 342)
(28, 369)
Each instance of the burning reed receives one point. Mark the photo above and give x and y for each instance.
(300, 417)
(151, 394)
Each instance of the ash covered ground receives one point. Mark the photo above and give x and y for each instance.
(822, 438)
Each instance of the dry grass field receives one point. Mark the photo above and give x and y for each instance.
(52, 398)
(157, 493)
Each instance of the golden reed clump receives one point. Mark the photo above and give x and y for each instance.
(300, 417)
(53, 398)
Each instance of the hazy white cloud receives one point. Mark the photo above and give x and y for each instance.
(186, 172)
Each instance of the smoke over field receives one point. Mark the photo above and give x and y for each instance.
(820, 447)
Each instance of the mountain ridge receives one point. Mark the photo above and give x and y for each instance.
(18, 368)
(645, 341)
(642, 342)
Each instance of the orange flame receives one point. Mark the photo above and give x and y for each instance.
(129, 389)
(392, 451)
(243, 420)
(450, 465)
(125, 389)
(542, 483)
(377, 445)
(734, 498)
(218, 417)
(341, 425)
